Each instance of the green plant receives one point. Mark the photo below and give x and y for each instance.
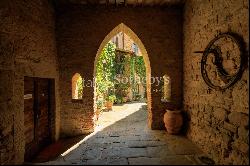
(111, 98)
(112, 63)
(99, 104)
(80, 87)
(137, 97)
(140, 67)
(119, 100)
(124, 99)
(105, 70)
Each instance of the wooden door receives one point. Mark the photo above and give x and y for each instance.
(37, 115)
(29, 116)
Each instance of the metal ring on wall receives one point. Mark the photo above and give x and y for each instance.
(216, 51)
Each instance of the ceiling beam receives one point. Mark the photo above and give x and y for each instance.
(123, 2)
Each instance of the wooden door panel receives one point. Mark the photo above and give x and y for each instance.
(43, 120)
(37, 113)
(28, 110)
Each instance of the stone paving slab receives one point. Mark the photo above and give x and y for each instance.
(144, 161)
(130, 138)
(117, 161)
(144, 144)
(176, 160)
(187, 147)
(124, 152)
(96, 162)
(123, 138)
(159, 151)
(92, 154)
(132, 152)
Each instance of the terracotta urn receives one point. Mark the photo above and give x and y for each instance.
(173, 121)
(109, 105)
(97, 113)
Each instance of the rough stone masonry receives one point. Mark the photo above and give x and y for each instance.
(38, 39)
(218, 121)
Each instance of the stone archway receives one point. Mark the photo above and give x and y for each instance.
(123, 28)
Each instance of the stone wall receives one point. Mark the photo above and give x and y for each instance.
(81, 30)
(27, 48)
(218, 120)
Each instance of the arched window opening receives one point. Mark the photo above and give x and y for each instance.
(166, 89)
(77, 86)
(135, 48)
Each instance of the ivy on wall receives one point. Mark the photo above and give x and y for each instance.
(138, 69)
(105, 70)
(111, 64)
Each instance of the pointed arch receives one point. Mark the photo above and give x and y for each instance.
(123, 28)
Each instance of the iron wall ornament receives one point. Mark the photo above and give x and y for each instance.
(214, 50)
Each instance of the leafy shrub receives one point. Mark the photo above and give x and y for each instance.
(111, 98)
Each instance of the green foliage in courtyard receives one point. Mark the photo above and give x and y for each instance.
(111, 98)
(99, 104)
(105, 70)
(79, 85)
(109, 66)
(140, 68)
(137, 67)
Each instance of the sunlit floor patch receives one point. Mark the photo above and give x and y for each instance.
(122, 137)
(118, 113)
(108, 118)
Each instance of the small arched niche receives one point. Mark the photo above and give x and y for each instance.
(77, 86)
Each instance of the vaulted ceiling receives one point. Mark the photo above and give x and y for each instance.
(122, 2)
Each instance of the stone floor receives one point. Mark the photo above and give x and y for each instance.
(122, 137)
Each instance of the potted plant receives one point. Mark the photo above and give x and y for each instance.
(137, 97)
(173, 119)
(109, 101)
(124, 99)
(119, 100)
(99, 104)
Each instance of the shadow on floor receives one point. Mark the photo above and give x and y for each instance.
(54, 150)
(127, 141)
